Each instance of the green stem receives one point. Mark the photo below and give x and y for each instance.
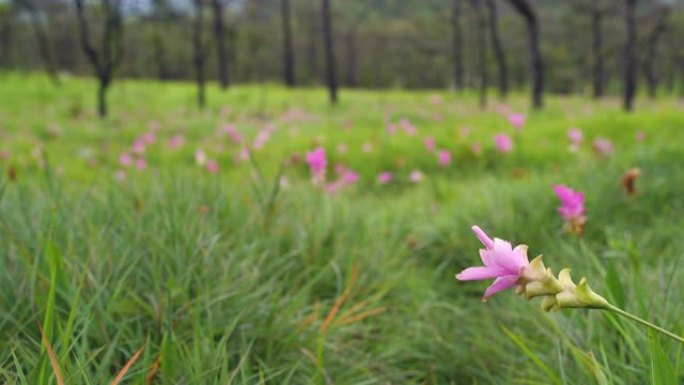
(645, 323)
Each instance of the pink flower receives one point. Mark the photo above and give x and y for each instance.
(148, 138)
(430, 143)
(408, 128)
(504, 143)
(501, 261)
(212, 166)
(176, 141)
(517, 121)
(349, 177)
(416, 176)
(141, 164)
(317, 163)
(391, 129)
(262, 137)
(200, 157)
(444, 158)
(476, 148)
(138, 146)
(232, 133)
(385, 177)
(640, 136)
(125, 159)
(602, 146)
(572, 202)
(575, 135)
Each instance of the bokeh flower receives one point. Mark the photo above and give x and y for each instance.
(503, 143)
(444, 158)
(416, 176)
(318, 163)
(517, 120)
(430, 143)
(572, 208)
(385, 177)
(602, 146)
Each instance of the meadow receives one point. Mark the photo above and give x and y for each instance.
(199, 236)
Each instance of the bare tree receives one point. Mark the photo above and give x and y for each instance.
(481, 50)
(331, 70)
(199, 52)
(457, 43)
(110, 54)
(524, 8)
(288, 50)
(597, 10)
(630, 60)
(498, 47)
(44, 48)
(220, 39)
(651, 51)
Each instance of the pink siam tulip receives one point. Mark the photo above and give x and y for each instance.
(141, 164)
(416, 176)
(602, 146)
(572, 208)
(575, 135)
(212, 166)
(176, 141)
(317, 163)
(444, 158)
(349, 177)
(148, 138)
(504, 143)
(501, 261)
(385, 177)
(430, 143)
(517, 121)
(408, 128)
(138, 146)
(126, 159)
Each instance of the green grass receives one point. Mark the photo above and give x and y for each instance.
(226, 279)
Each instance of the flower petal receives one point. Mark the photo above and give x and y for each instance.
(480, 273)
(486, 241)
(505, 258)
(501, 284)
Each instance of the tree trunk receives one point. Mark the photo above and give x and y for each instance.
(312, 46)
(481, 50)
(220, 38)
(288, 50)
(536, 63)
(42, 40)
(630, 56)
(102, 97)
(160, 56)
(498, 48)
(198, 46)
(652, 40)
(597, 48)
(331, 70)
(457, 43)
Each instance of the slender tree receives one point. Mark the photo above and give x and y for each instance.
(288, 49)
(220, 39)
(199, 52)
(481, 21)
(44, 48)
(457, 43)
(651, 51)
(498, 47)
(597, 51)
(110, 54)
(331, 70)
(630, 59)
(524, 8)
(351, 70)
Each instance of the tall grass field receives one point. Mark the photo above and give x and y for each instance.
(171, 245)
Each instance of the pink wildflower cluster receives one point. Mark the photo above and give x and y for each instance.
(318, 163)
(345, 177)
(572, 208)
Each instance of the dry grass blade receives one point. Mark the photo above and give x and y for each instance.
(153, 370)
(126, 367)
(52, 356)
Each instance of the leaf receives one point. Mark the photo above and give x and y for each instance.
(552, 376)
(126, 367)
(52, 356)
(662, 372)
(614, 285)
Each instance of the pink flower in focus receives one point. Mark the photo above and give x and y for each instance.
(444, 158)
(416, 176)
(517, 121)
(176, 141)
(501, 261)
(384, 177)
(602, 146)
(317, 163)
(430, 143)
(504, 143)
(640, 136)
(125, 159)
(212, 166)
(140, 164)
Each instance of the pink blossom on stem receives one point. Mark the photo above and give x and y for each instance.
(444, 158)
(212, 166)
(416, 176)
(501, 261)
(430, 143)
(317, 164)
(176, 141)
(141, 164)
(200, 157)
(504, 143)
(572, 208)
(138, 146)
(408, 128)
(602, 146)
(517, 121)
(125, 159)
(575, 136)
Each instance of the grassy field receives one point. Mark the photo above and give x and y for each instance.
(253, 275)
